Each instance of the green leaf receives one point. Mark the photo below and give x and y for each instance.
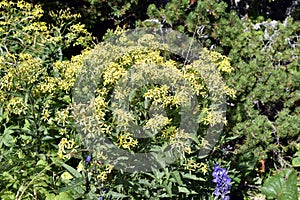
(42, 163)
(282, 186)
(193, 177)
(61, 196)
(66, 176)
(296, 162)
(169, 189)
(50, 196)
(8, 140)
(73, 171)
(75, 185)
(183, 190)
(177, 177)
(116, 195)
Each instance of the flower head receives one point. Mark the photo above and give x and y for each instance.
(88, 158)
(223, 182)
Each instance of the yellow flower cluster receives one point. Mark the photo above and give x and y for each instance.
(75, 32)
(49, 85)
(22, 64)
(181, 141)
(24, 6)
(2, 97)
(229, 91)
(126, 140)
(63, 15)
(103, 174)
(16, 105)
(222, 61)
(192, 76)
(26, 71)
(211, 117)
(100, 107)
(113, 73)
(157, 122)
(62, 116)
(36, 27)
(66, 148)
(148, 68)
(159, 95)
(69, 70)
(192, 165)
(122, 118)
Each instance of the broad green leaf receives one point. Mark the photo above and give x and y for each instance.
(42, 163)
(60, 196)
(193, 177)
(116, 195)
(50, 196)
(8, 140)
(73, 171)
(183, 190)
(77, 183)
(296, 162)
(66, 176)
(282, 186)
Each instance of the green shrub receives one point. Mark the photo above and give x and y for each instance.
(262, 132)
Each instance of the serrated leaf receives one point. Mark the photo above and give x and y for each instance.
(282, 186)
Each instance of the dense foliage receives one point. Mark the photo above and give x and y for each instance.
(44, 51)
(35, 84)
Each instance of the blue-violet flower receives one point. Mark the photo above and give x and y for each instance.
(88, 158)
(223, 182)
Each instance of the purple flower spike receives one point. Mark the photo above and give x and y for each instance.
(223, 182)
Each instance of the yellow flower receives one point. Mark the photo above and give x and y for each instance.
(192, 165)
(66, 144)
(181, 141)
(80, 167)
(157, 122)
(103, 175)
(126, 140)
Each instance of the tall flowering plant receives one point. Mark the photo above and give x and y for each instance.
(222, 180)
